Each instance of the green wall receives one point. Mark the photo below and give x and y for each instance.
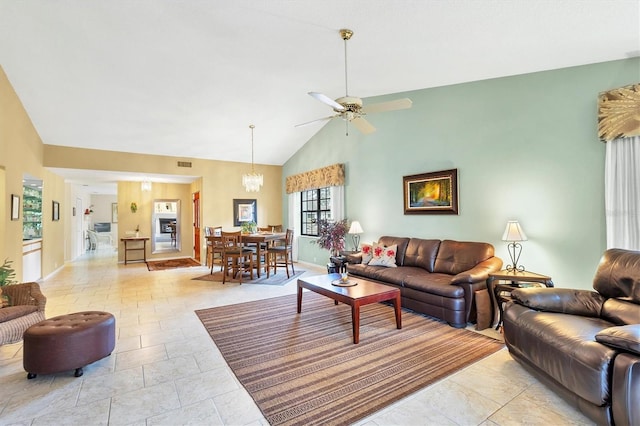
(525, 147)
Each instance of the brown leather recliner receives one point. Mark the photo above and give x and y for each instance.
(585, 344)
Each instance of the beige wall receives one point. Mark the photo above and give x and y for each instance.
(219, 182)
(21, 152)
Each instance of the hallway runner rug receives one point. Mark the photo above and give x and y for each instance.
(303, 369)
(160, 265)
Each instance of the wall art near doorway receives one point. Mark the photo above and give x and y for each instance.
(56, 211)
(15, 207)
(244, 210)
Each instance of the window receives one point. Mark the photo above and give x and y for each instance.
(315, 205)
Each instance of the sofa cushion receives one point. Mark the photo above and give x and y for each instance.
(421, 253)
(397, 276)
(439, 284)
(367, 253)
(13, 312)
(621, 311)
(401, 242)
(626, 337)
(458, 256)
(565, 348)
(384, 256)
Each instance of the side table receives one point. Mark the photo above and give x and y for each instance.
(127, 249)
(339, 263)
(501, 292)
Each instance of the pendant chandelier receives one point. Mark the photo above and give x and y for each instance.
(252, 181)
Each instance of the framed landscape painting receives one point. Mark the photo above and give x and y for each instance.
(431, 193)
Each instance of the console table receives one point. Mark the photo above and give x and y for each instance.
(137, 247)
(501, 292)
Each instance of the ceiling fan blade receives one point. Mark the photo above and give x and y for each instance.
(327, 100)
(363, 125)
(318, 120)
(388, 106)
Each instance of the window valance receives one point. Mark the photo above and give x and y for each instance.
(619, 113)
(319, 178)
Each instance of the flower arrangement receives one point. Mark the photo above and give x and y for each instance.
(331, 235)
(249, 227)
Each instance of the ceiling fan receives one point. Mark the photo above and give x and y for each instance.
(350, 108)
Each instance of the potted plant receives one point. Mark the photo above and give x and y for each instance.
(249, 227)
(7, 275)
(331, 235)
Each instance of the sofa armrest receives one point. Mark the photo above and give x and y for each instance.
(480, 272)
(25, 294)
(354, 258)
(625, 337)
(562, 300)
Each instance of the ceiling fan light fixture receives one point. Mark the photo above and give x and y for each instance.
(252, 181)
(351, 109)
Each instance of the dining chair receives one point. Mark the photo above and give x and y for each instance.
(274, 228)
(212, 231)
(281, 255)
(235, 256)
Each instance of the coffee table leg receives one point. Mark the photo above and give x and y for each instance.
(355, 320)
(299, 299)
(397, 304)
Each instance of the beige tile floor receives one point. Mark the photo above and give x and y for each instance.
(166, 370)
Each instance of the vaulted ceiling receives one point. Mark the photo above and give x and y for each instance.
(186, 78)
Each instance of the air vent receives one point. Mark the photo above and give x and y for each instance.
(184, 163)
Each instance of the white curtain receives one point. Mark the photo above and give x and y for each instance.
(622, 193)
(337, 202)
(337, 213)
(294, 222)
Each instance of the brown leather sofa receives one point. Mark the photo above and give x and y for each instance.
(585, 344)
(437, 278)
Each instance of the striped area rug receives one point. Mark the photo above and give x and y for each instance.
(303, 369)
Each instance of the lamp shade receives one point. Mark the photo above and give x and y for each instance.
(355, 228)
(514, 232)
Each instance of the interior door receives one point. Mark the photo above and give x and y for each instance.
(196, 226)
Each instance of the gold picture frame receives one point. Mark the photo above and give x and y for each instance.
(431, 193)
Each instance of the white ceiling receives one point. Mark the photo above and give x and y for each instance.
(186, 78)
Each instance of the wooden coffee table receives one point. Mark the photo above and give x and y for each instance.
(364, 293)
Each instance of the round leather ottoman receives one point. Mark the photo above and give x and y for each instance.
(68, 342)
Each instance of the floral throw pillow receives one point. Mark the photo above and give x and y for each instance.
(367, 253)
(384, 256)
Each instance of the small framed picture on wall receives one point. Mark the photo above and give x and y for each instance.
(56, 211)
(15, 207)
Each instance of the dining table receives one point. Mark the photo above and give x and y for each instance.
(260, 239)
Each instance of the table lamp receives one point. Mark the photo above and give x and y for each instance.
(514, 234)
(355, 230)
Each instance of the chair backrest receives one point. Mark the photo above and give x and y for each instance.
(231, 241)
(288, 237)
(210, 231)
(275, 228)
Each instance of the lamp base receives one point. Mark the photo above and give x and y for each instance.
(514, 249)
(514, 269)
(356, 242)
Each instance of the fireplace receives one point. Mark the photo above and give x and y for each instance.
(165, 225)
